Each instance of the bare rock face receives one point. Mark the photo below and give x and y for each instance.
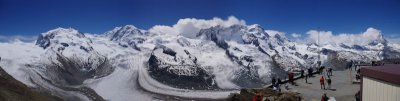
(166, 66)
(73, 71)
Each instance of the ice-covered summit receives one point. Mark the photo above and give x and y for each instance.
(61, 39)
(127, 36)
(122, 33)
(56, 35)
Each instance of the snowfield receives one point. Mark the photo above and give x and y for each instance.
(14, 57)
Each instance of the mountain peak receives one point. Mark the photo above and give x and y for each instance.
(61, 36)
(119, 32)
(44, 38)
(61, 30)
(126, 27)
(129, 27)
(255, 26)
(127, 35)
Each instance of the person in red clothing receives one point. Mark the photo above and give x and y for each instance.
(324, 97)
(322, 82)
(258, 97)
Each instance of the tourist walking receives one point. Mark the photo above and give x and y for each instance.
(322, 82)
(309, 72)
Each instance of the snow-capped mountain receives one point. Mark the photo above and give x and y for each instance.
(73, 52)
(217, 61)
(373, 48)
(127, 36)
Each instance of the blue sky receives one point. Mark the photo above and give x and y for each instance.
(32, 17)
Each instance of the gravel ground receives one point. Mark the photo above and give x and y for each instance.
(342, 88)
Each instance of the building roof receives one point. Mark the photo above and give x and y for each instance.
(388, 72)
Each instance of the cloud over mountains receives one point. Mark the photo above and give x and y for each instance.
(327, 37)
(17, 38)
(189, 27)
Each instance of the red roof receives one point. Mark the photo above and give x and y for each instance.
(387, 72)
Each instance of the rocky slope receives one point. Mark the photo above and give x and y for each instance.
(14, 90)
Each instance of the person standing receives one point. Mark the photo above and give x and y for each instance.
(322, 82)
(278, 83)
(306, 77)
(312, 71)
(321, 70)
(329, 81)
(291, 78)
(324, 97)
(351, 65)
(358, 96)
(327, 71)
(355, 65)
(257, 97)
(302, 73)
(273, 80)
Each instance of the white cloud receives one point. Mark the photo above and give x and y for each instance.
(295, 35)
(163, 29)
(297, 38)
(394, 38)
(189, 27)
(327, 37)
(17, 38)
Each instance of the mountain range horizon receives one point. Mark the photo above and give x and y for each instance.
(186, 22)
(191, 59)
